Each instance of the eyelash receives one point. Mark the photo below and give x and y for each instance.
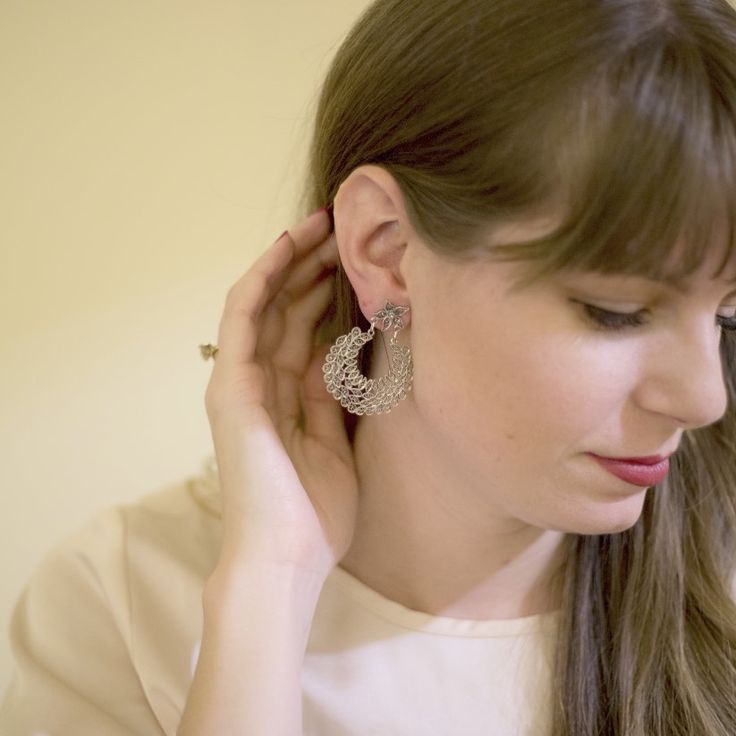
(614, 321)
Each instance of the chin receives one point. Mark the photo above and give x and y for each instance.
(606, 519)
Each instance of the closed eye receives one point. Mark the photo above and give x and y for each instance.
(605, 319)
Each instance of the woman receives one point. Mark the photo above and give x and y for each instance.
(532, 202)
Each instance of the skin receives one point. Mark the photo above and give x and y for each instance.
(468, 487)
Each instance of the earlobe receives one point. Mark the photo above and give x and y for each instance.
(372, 230)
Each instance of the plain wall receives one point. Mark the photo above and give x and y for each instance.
(149, 151)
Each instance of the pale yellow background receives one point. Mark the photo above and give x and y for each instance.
(149, 150)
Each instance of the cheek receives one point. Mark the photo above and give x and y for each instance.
(512, 393)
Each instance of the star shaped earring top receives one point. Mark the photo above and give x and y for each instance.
(390, 316)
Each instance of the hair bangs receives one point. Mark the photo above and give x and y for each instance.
(646, 156)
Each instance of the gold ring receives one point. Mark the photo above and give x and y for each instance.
(208, 351)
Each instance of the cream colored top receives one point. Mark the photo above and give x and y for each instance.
(106, 636)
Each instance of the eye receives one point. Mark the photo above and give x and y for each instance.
(728, 323)
(607, 320)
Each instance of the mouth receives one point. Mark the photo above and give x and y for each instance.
(647, 460)
(632, 470)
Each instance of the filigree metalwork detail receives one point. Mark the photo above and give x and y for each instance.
(357, 393)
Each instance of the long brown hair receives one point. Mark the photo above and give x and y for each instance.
(622, 115)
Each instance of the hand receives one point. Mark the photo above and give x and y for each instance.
(289, 489)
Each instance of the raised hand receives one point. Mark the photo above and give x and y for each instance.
(285, 463)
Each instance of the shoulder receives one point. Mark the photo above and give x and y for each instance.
(152, 557)
(177, 526)
(107, 627)
(145, 551)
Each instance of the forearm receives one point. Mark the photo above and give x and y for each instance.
(247, 682)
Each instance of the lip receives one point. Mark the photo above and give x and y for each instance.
(648, 460)
(637, 473)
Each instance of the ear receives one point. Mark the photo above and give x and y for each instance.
(372, 231)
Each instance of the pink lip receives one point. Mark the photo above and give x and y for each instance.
(648, 460)
(638, 473)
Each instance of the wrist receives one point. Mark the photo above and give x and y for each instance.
(243, 552)
(233, 580)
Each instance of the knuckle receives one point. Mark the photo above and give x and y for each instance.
(212, 399)
(251, 282)
(232, 295)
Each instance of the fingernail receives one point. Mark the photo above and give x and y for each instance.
(280, 236)
(329, 209)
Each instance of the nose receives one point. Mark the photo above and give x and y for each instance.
(686, 378)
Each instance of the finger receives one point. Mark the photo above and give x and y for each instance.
(307, 263)
(302, 318)
(323, 415)
(301, 276)
(238, 332)
(311, 271)
(283, 333)
(310, 232)
(291, 360)
(299, 279)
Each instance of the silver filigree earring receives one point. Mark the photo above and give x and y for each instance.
(357, 393)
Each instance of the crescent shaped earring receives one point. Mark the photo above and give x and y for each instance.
(357, 393)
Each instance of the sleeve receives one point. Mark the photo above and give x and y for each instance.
(73, 671)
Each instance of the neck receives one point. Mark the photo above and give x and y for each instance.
(435, 540)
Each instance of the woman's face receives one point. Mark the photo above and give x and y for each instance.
(514, 390)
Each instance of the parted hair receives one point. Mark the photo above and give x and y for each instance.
(621, 114)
